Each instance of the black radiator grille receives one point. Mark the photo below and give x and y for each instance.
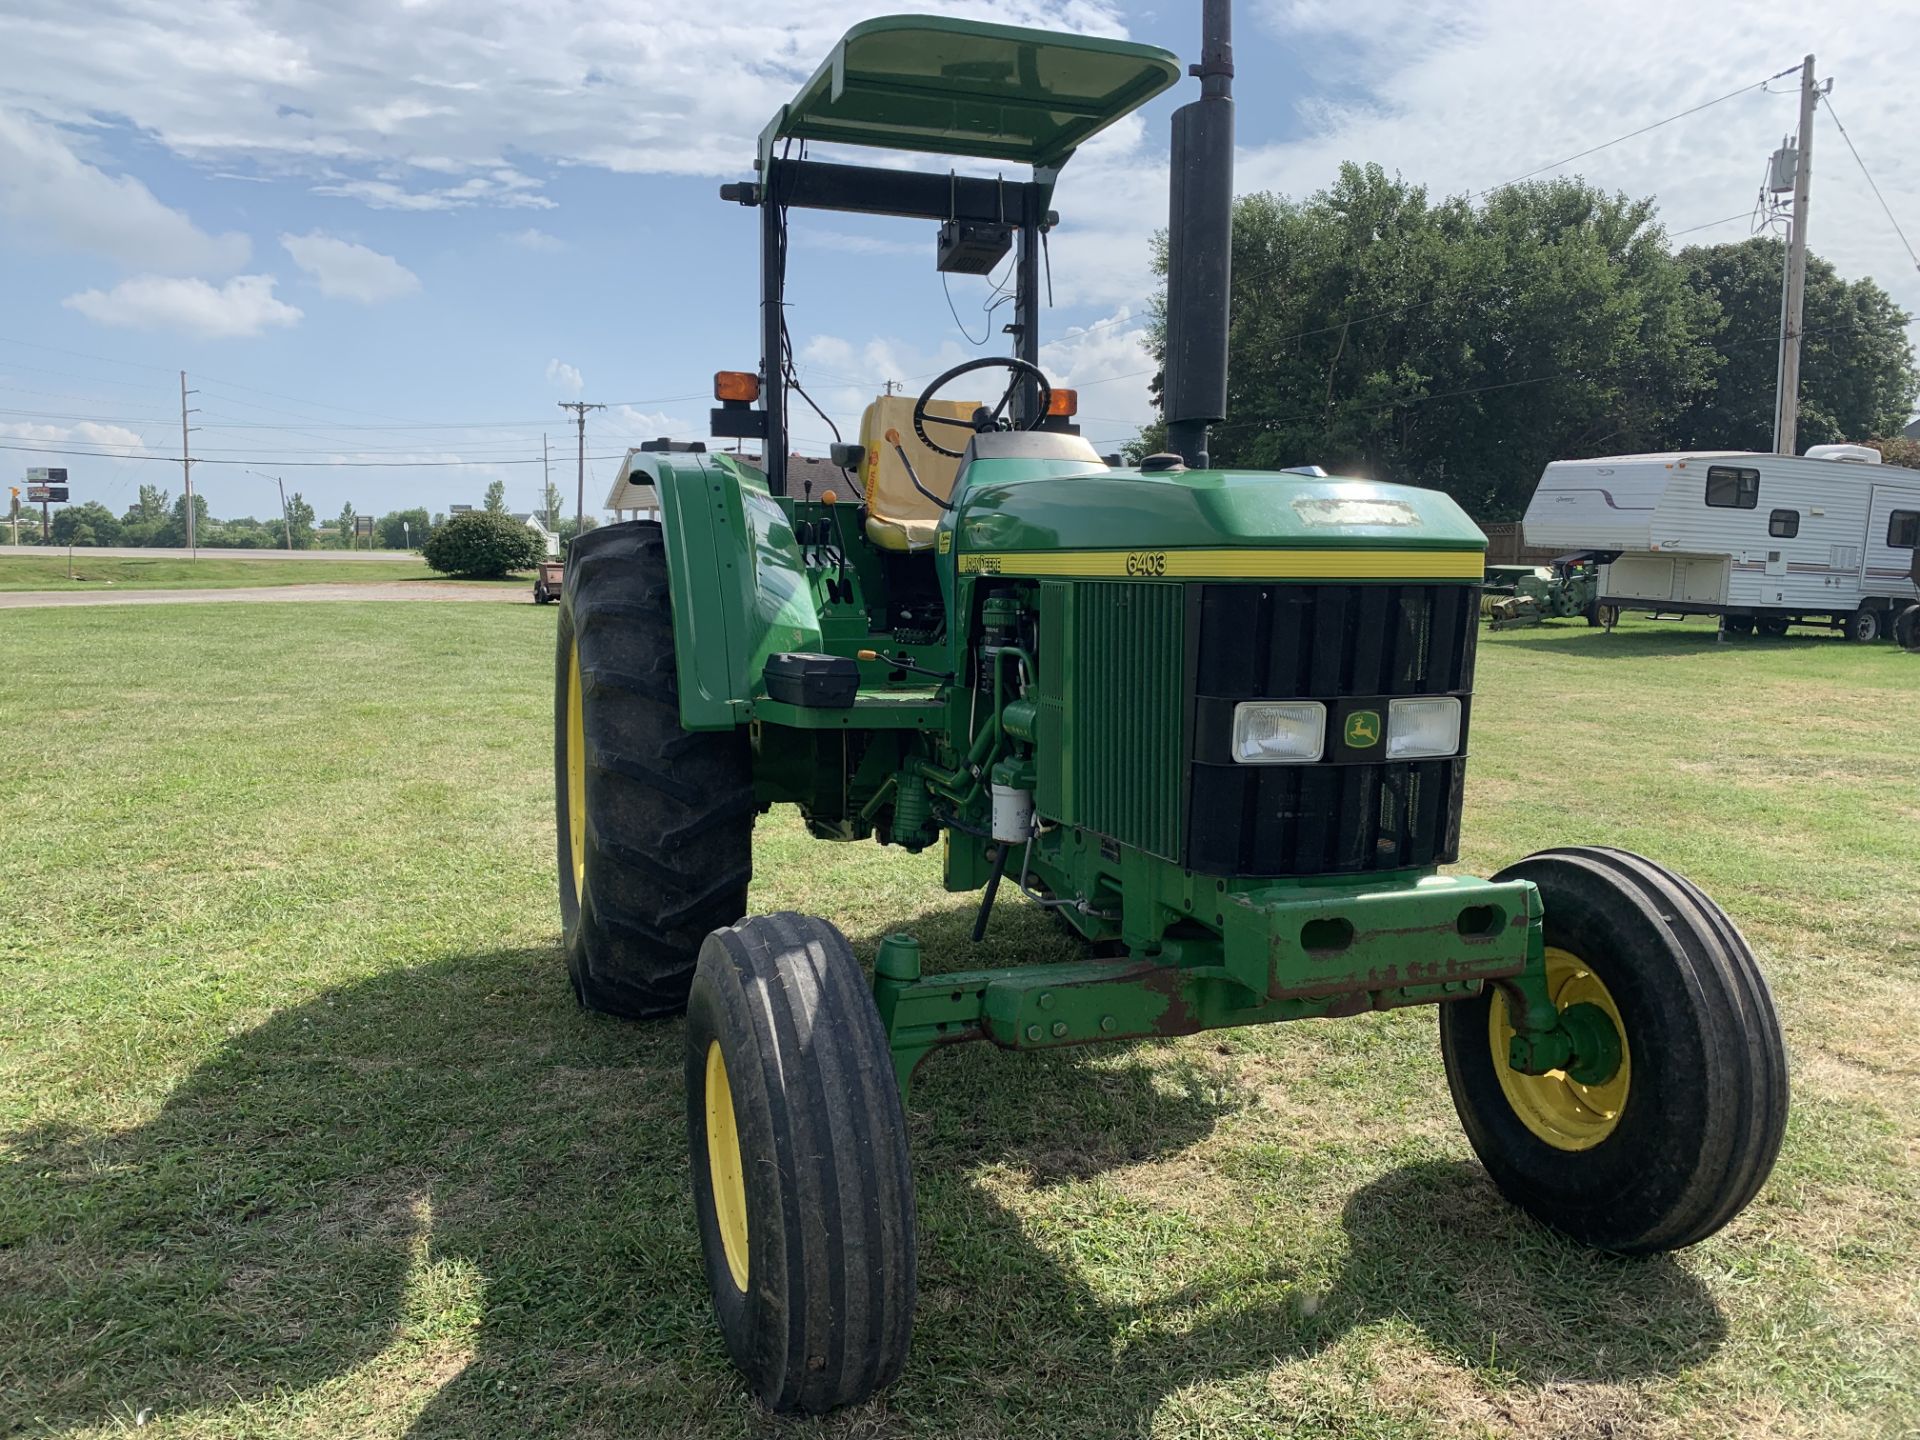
(1331, 643)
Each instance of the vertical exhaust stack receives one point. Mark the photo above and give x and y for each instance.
(1200, 245)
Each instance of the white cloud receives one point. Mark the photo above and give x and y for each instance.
(536, 240)
(564, 376)
(50, 195)
(346, 271)
(501, 185)
(449, 104)
(244, 306)
(90, 432)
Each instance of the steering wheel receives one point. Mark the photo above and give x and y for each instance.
(983, 419)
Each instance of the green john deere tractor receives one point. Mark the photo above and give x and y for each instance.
(1520, 595)
(1215, 720)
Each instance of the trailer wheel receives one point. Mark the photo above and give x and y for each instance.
(655, 823)
(1609, 615)
(1774, 626)
(801, 1182)
(1864, 625)
(1674, 1142)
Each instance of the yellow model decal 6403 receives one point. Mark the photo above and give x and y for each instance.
(1236, 564)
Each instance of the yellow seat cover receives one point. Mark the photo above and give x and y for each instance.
(899, 517)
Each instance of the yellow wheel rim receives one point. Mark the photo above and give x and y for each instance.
(576, 775)
(1554, 1106)
(723, 1168)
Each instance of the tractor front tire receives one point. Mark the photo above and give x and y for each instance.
(801, 1183)
(1675, 1142)
(655, 844)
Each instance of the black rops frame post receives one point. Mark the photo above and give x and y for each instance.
(1200, 244)
(910, 195)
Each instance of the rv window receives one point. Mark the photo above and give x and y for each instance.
(1903, 530)
(1783, 524)
(1729, 488)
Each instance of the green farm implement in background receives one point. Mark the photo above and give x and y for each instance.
(1216, 720)
(1565, 588)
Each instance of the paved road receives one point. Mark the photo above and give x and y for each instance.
(403, 590)
(135, 552)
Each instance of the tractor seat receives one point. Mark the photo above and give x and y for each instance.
(899, 517)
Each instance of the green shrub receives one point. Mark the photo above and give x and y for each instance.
(482, 543)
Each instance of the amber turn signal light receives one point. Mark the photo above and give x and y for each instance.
(1063, 403)
(736, 385)
(866, 654)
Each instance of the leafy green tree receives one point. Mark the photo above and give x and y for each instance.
(497, 498)
(1377, 333)
(152, 506)
(483, 543)
(300, 521)
(88, 524)
(403, 529)
(1857, 373)
(566, 530)
(173, 531)
(1898, 450)
(550, 505)
(343, 527)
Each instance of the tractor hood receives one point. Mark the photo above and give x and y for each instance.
(1035, 517)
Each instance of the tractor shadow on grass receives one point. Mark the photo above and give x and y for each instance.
(441, 1201)
(444, 1202)
(1658, 644)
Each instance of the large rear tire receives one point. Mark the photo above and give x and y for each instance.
(655, 823)
(1679, 1137)
(801, 1182)
(1906, 628)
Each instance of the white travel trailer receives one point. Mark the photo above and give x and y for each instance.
(1766, 541)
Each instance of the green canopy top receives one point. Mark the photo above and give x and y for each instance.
(964, 87)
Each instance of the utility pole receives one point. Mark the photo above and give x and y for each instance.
(580, 408)
(1786, 401)
(186, 468)
(546, 487)
(285, 520)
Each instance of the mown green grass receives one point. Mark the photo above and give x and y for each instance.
(48, 571)
(301, 1134)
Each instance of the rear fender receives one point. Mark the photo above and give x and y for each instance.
(740, 590)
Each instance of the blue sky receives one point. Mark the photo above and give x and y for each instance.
(375, 234)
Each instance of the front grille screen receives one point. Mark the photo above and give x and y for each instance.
(1344, 645)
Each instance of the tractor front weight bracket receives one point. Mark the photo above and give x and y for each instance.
(1284, 953)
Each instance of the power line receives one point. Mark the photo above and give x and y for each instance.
(1633, 134)
(1870, 182)
(1746, 214)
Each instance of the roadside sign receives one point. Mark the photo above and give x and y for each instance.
(42, 475)
(458, 509)
(46, 494)
(363, 525)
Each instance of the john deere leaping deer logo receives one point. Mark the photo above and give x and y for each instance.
(1363, 729)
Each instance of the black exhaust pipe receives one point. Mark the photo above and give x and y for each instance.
(1200, 245)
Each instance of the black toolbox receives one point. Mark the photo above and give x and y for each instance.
(820, 682)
